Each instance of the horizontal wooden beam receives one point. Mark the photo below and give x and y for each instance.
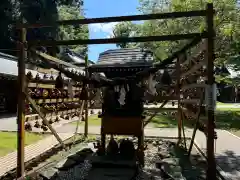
(161, 109)
(41, 101)
(52, 114)
(190, 101)
(193, 86)
(117, 19)
(193, 69)
(49, 43)
(166, 98)
(47, 86)
(56, 60)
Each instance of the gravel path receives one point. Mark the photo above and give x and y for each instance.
(227, 149)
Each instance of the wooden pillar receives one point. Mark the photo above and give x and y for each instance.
(211, 170)
(179, 113)
(21, 104)
(141, 145)
(87, 101)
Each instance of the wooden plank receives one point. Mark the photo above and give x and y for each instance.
(164, 98)
(189, 86)
(45, 120)
(87, 99)
(193, 69)
(56, 60)
(197, 116)
(179, 117)
(160, 109)
(21, 103)
(47, 71)
(156, 112)
(78, 122)
(211, 169)
(122, 126)
(190, 101)
(118, 19)
(175, 37)
(40, 101)
(47, 86)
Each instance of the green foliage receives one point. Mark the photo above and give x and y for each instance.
(9, 141)
(125, 29)
(7, 13)
(72, 32)
(75, 3)
(42, 11)
(227, 26)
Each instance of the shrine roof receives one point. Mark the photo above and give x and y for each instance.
(75, 58)
(124, 58)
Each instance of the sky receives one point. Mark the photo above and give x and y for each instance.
(106, 8)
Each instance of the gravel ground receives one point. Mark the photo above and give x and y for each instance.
(163, 160)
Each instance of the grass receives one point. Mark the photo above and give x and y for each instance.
(229, 109)
(8, 141)
(163, 121)
(226, 120)
(93, 120)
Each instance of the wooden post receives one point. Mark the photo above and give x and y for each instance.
(211, 171)
(80, 117)
(155, 113)
(44, 119)
(179, 114)
(21, 104)
(196, 126)
(87, 102)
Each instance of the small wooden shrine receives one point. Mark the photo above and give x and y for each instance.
(122, 107)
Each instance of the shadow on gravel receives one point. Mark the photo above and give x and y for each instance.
(229, 162)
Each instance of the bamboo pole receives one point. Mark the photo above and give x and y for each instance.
(175, 37)
(211, 170)
(179, 116)
(168, 15)
(45, 120)
(155, 113)
(195, 127)
(87, 100)
(21, 105)
(78, 122)
(183, 130)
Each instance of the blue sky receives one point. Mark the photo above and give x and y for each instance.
(104, 8)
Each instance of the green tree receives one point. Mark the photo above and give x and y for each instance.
(7, 15)
(72, 32)
(40, 11)
(125, 29)
(226, 21)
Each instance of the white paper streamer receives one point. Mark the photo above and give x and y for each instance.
(152, 85)
(70, 89)
(211, 97)
(122, 97)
